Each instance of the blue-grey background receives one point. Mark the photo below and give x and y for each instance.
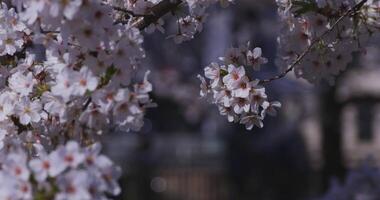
(187, 151)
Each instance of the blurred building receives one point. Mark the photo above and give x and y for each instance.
(342, 129)
(359, 93)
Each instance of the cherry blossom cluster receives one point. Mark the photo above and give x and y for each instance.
(188, 24)
(67, 64)
(192, 23)
(69, 172)
(12, 31)
(305, 22)
(238, 96)
(371, 15)
(70, 69)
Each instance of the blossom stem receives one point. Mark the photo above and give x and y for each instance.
(290, 68)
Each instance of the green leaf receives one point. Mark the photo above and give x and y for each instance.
(110, 72)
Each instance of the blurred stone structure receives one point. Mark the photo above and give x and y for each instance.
(342, 129)
(360, 94)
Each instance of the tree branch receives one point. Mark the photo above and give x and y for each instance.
(128, 12)
(290, 68)
(157, 12)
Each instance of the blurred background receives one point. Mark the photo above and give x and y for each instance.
(325, 141)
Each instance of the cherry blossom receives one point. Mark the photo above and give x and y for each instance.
(71, 69)
(92, 177)
(238, 96)
(22, 84)
(330, 48)
(28, 111)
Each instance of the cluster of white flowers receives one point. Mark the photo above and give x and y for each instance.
(371, 14)
(68, 63)
(238, 96)
(12, 31)
(188, 25)
(192, 23)
(69, 69)
(69, 172)
(306, 21)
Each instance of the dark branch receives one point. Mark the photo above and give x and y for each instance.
(128, 12)
(157, 12)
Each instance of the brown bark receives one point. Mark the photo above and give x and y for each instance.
(157, 12)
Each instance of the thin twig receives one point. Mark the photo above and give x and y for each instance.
(315, 41)
(49, 32)
(86, 104)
